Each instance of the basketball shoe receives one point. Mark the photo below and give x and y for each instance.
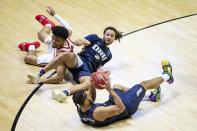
(24, 46)
(155, 95)
(44, 20)
(167, 69)
(34, 77)
(59, 96)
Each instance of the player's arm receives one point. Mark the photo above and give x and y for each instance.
(63, 22)
(92, 93)
(86, 40)
(101, 113)
(82, 42)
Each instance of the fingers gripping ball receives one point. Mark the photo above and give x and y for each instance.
(98, 78)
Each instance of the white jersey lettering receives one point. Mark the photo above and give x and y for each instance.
(100, 52)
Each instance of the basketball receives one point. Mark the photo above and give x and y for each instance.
(97, 78)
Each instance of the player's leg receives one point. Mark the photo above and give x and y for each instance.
(31, 57)
(69, 59)
(166, 76)
(44, 33)
(152, 84)
(48, 25)
(121, 87)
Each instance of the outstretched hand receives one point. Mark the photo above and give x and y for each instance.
(107, 81)
(50, 10)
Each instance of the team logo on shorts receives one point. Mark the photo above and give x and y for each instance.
(139, 91)
(97, 57)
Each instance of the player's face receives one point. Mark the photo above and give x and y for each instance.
(57, 42)
(109, 37)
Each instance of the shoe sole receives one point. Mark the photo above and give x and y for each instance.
(157, 97)
(166, 66)
(168, 69)
(32, 78)
(60, 99)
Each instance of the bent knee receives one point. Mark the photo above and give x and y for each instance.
(27, 59)
(69, 56)
(30, 60)
(42, 35)
(143, 83)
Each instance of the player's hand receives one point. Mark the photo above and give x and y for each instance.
(107, 82)
(107, 73)
(86, 43)
(50, 10)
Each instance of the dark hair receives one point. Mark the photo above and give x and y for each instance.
(118, 34)
(79, 98)
(60, 31)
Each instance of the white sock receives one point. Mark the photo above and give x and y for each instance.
(62, 22)
(147, 94)
(32, 47)
(49, 25)
(166, 77)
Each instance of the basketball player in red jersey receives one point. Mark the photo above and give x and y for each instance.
(58, 43)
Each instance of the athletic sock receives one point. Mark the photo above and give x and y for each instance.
(166, 77)
(49, 25)
(42, 72)
(32, 47)
(62, 22)
(67, 92)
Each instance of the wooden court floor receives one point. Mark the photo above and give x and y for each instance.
(137, 57)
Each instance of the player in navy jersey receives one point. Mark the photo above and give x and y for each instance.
(94, 55)
(123, 102)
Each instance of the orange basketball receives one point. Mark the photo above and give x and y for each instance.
(97, 78)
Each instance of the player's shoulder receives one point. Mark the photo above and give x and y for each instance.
(93, 36)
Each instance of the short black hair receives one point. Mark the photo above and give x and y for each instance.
(118, 34)
(79, 98)
(60, 31)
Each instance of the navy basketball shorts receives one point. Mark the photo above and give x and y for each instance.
(131, 98)
(82, 70)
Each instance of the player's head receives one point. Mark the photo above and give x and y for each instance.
(80, 98)
(60, 34)
(110, 34)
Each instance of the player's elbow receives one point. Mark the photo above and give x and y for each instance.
(120, 109)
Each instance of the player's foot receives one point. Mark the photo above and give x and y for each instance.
(59, 96)
(44, 20)
(34, 77)
(155, 95)
(167, 69)
(25, 46)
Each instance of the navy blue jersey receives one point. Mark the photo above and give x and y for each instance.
(97, 54)
(87, 117)
(131, 100)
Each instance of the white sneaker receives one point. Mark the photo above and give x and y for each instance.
(34, 77)
(59, 96)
